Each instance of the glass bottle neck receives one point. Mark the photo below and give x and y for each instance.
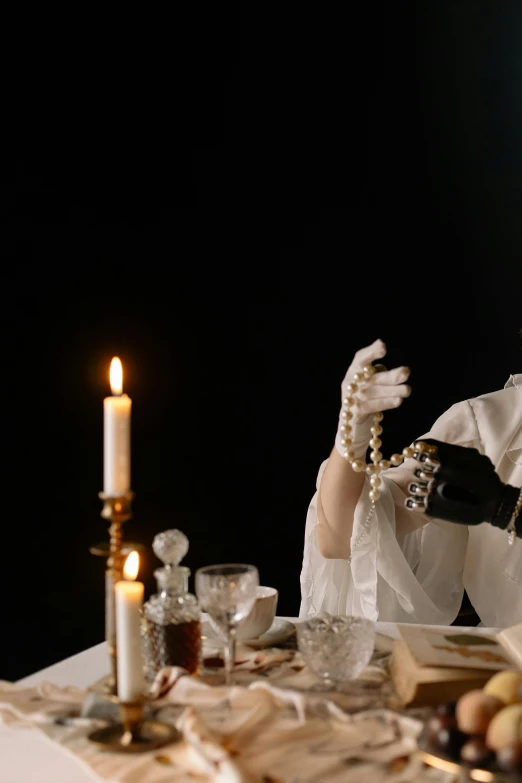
(172, 580)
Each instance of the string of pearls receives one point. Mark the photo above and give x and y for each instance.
(377, 464)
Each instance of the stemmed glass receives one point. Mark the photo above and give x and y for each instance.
(227, 593)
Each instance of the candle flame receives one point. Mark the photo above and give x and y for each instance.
(132, 566)
(116, 376)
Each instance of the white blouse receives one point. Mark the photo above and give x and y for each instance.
(420, 577)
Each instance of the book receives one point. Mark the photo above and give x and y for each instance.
(431, 665)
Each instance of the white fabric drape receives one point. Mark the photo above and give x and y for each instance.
(420, 577)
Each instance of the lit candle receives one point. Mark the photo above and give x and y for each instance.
(129, 600)
(116, 435)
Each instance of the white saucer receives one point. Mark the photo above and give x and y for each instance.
(279, 631)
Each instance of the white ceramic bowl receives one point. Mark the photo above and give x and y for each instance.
(261, 616)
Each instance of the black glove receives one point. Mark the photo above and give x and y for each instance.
(460, 485)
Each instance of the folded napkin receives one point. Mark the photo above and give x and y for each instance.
(265, 731)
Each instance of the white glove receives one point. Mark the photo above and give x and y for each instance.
(382, 392)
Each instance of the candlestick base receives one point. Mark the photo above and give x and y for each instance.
(153, 734)
(133, 734)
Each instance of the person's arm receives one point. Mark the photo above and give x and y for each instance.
(337, 498)
(341, 486)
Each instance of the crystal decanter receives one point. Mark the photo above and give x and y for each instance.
(171, 617)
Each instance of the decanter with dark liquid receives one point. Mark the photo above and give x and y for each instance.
(171, 618)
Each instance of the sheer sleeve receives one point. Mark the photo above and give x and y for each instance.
(402, 569)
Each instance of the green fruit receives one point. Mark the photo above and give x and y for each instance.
(505, 686)
(505, 728)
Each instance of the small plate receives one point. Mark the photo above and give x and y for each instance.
(279, 631)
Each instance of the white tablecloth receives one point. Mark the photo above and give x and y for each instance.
(26, 756)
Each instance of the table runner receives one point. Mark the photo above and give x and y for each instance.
(270, 727)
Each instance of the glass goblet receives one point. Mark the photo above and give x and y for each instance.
(227, 593)
(336, 647)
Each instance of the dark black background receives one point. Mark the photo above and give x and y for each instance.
(234, 206)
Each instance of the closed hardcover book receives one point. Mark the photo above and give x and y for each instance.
(430, 666)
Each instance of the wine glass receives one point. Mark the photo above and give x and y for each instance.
(227, 593)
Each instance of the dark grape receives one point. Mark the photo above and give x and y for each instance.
(475, 752)
(450, 740)
(447, 709)
(509, 759)
(436, 723)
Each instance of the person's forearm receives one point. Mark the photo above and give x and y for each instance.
(338, 495)
(377, 389)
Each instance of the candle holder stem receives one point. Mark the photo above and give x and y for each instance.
(116, 509)
(132, 721)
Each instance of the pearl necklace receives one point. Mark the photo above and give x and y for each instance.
(421, 451)
(378, 464)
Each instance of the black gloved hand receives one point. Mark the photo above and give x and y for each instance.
(460, 485)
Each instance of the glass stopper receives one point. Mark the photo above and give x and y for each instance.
(170, 546)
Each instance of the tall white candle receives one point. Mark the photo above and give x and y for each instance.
(129, 600)
(116, 435)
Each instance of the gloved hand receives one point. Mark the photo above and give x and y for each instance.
(385, 390)
(459, 484)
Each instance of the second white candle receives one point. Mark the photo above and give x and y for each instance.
(129, 601)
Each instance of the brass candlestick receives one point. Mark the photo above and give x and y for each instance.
(134, 734)
(116, 509)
